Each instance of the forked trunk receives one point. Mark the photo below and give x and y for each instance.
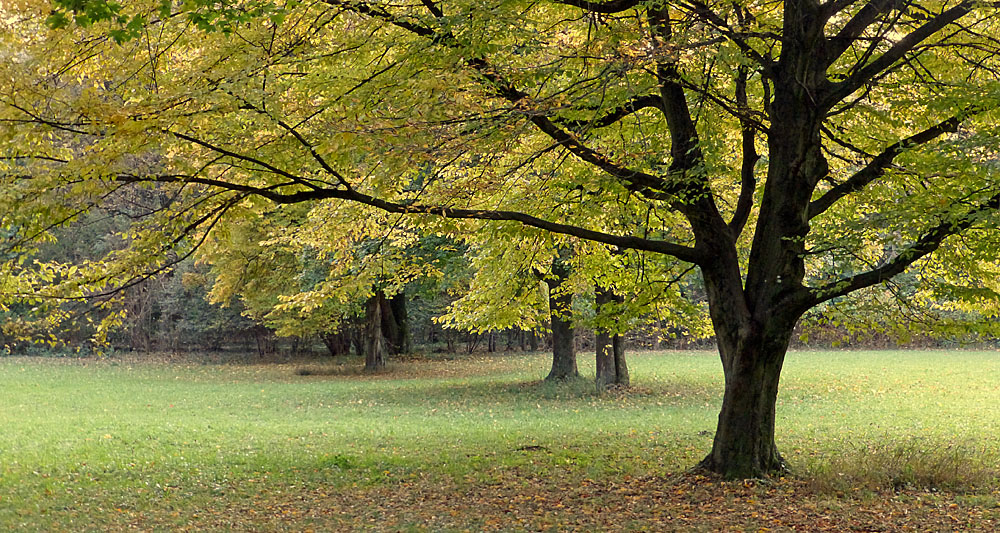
(611, 368)
(744, 438)
(621, 368)
(612, 371)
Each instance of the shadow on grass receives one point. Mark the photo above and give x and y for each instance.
(401, 388)
(335, 371)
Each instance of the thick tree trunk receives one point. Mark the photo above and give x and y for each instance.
(611, 368)
(563, 351)
(744, 438)
(401, 339)
(563, 345)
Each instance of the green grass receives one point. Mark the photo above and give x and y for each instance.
(92, 445)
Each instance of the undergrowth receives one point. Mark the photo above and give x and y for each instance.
(912, 463)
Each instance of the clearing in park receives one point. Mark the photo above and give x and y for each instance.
(887, 440)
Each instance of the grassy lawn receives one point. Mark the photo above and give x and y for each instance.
(480, 443)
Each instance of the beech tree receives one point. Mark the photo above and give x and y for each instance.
(304, 275)
(521, 279)
(793, 152)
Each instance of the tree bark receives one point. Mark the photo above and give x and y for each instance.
(621, 368)
(611, 368)
(563, 346)
(744, 444)
(401, 339)
(375, 341)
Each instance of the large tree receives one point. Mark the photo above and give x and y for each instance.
(794, 152)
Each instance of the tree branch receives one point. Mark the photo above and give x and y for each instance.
(700, 9)
(296, 180)
(862, 75)
(606, 8)
(684, 253)
(853, 29)
(685, 149)
(649, 185)
(832, 7)
(877, 167)
(748, 182)
(929, 242)
(615, 115)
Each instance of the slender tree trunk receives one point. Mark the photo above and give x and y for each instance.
(357, 338)
(265, 340)
(375, 342)
(338, 343)
(612, 370)
(563, 345)
(621, 368)
(605, 360)
(390, 326)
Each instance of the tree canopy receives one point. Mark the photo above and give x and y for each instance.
(794, 152)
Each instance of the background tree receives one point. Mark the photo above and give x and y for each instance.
(561, 320)
(612, 369)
